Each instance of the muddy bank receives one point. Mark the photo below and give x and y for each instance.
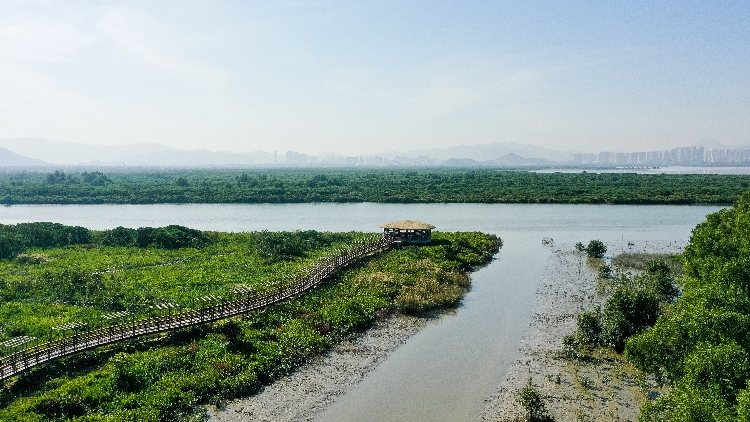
(602, 386)
(301, 395)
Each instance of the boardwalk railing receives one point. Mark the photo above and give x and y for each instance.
(30, 357)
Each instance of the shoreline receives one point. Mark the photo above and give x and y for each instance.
(300, 396)
(567, 288)
(605, 387)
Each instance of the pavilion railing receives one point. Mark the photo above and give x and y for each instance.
(29, 357)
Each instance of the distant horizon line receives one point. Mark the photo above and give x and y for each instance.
(282, 151)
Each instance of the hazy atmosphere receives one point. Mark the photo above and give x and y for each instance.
(369, 77)
(424, 211)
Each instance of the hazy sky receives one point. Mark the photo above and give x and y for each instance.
(369, 76)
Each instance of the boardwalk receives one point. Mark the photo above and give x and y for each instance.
(30, 357)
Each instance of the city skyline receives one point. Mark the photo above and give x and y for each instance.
(41, 152)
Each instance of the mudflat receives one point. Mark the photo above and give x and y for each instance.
(599, 386)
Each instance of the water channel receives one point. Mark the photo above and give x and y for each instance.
(445, 372)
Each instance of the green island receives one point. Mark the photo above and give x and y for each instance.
(52, 275)
(383, 186)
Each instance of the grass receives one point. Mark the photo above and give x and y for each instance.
(604, 376)
(169, 377)
(637, 261)
(82, 282)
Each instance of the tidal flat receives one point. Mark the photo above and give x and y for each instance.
(600, 385)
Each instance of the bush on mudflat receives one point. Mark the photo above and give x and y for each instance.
(596, 249)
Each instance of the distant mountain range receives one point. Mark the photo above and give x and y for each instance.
(9, 158)
(26, 152)
(484, 152)
(141, 154)
(507, 160)
(43, 152)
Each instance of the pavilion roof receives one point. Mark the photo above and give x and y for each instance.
(407, 225)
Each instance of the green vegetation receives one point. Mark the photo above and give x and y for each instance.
(19, 237)
(632, 307)
(698, 344)
(641, 261)
(168, 377)
(390, 186)
(701, 343)
(596, 249)
(531, 400)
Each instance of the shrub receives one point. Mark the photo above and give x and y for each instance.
(14, 239)
(285, 246)
(531, 400)
(176, 237)
(34, 258)
(658, 279)
(627, 312)
(66, 407)
(724, 368)
(95, 178)
(169, 237)
(120, 236)
(144, 236)
(570, 346)
(596, 249)
(589, 328)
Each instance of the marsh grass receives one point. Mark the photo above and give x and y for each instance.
(83, 282)
(169, 377)
(639, 261)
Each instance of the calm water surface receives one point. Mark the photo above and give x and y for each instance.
(445, 372)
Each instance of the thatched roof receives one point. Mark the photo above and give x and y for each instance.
(407, 225)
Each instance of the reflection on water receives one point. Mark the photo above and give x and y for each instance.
(446, 371)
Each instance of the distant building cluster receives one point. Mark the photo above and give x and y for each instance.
(677, 156)
(295, 158)
(727, 156)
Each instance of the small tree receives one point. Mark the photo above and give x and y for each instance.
(658, 279)
(531, 400)
(628, 312)
(596, 249)
(589, 328)
(580, 247)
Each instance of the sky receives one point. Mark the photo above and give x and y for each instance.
(362, 77)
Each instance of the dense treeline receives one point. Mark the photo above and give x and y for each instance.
(701, 344)
(16, 238)
(395, 186)
(172, 378)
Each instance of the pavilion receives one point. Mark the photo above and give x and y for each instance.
(408, 231)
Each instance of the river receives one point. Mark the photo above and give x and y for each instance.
(445, 372)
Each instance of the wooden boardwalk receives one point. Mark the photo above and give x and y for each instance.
(30, 357)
